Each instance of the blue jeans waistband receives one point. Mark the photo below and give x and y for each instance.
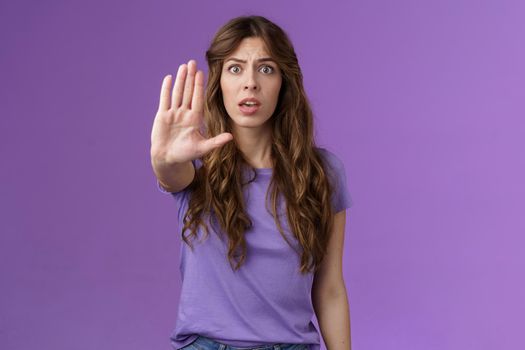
(210, 344)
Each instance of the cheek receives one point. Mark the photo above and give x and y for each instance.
(276, 90)
(226, 91)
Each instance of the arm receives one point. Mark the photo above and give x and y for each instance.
(174, 177)
(329, 295)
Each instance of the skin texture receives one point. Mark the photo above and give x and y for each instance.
(252, 78)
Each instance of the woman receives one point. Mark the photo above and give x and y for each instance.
(274, 201)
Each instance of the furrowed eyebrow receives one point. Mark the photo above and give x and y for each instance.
(263, 59)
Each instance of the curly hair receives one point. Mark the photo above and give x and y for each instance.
(299, 173)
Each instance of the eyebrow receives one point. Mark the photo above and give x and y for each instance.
(263, 59)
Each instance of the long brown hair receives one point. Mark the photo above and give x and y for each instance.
(298, 167)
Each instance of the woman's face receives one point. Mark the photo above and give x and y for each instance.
(250, 72)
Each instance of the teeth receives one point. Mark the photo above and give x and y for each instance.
(249, 103)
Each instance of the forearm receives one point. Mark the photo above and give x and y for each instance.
(333, 314)
(174, 177)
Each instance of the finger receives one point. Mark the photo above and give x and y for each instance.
(197, 101)
(176, 98)
(164, 103)
(214, 142)
(188, 85)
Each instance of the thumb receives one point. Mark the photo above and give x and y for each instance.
(215, 142)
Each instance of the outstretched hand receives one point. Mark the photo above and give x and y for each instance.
(176, 136)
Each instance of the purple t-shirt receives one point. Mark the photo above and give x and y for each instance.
(267, 300)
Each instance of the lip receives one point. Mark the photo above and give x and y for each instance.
(250, 99)
(248, 110)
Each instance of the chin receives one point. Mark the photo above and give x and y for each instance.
(249, 121)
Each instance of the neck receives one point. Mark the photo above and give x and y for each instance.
(255, 144)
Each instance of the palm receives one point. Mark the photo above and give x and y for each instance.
(176, 135)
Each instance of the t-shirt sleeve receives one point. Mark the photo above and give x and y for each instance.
(341, 198)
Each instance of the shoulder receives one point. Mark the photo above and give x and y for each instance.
(331, 160)
(335, 171)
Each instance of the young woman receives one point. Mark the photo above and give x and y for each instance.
(261, 208)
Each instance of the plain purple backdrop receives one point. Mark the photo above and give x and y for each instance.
(423, 100)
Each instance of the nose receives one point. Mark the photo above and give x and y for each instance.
(251, 82)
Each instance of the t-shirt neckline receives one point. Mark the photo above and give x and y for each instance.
(263, 170)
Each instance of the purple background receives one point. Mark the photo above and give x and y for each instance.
(423, 101)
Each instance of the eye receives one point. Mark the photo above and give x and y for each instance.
(234, 66)
(267, 69)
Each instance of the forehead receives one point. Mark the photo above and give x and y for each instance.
(250, 47)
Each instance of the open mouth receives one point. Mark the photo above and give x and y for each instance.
(248, 104)
(248, 108)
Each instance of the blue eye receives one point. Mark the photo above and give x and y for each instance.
(266, 69)
(269, 69)
(234, 66)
